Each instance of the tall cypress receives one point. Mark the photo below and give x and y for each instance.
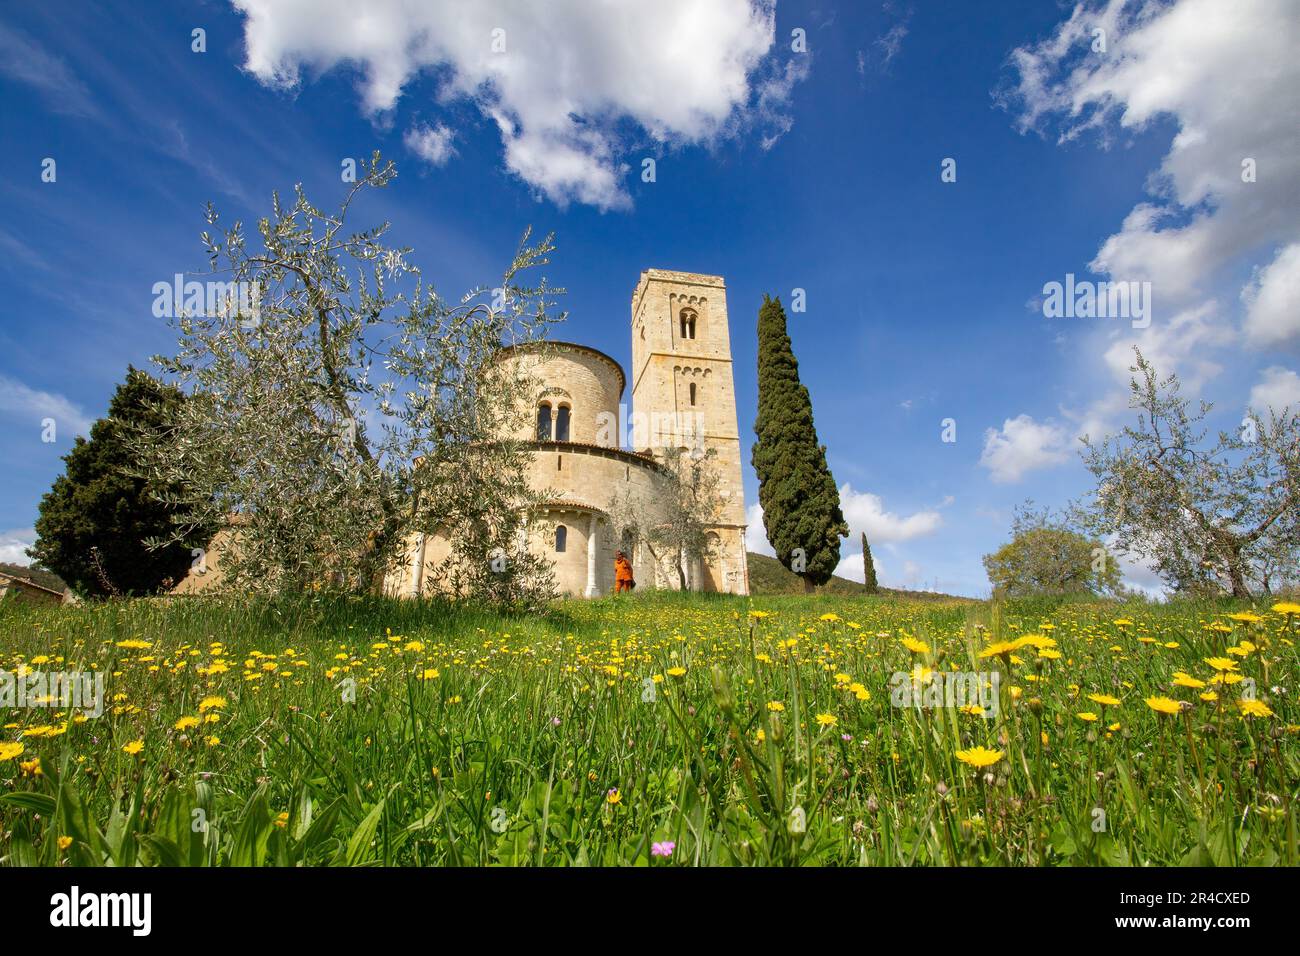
(868, 567)
(801, 505)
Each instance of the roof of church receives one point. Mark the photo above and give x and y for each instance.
(543, 344)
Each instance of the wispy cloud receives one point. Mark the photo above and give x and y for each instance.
(24, 60)
(19, 401)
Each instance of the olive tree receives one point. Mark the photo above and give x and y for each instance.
(1206, 516)
(1046, 556)
(351, 407)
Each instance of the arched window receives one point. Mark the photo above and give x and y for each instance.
(562, 423)
(688, 323)
(561, 538)
(692, 393)
(544, 421)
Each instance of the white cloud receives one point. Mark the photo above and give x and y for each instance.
(1279, 388)
(1022, 445)
(755, 534)
(866, 512)
(1273, 299)
(1182, 343)
(573, 79)
(23, 403)
(1220, 71)
(850, 567)
(431, 143)
(14, 544)
(1226, 193)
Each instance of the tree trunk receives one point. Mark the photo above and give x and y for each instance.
(808, 586)
(1236, 574)
(1239, 589)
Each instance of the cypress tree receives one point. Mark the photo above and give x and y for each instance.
(95, 519)
(801, 505)
(868, 567)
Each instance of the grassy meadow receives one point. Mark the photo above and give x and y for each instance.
(658, 729)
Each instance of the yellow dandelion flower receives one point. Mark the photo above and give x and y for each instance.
(1106, 700)
(979, 757)
(1038, 641)
(1254, 708)
(8, 751)
(1000, 649)
(915, 646)
(1163, 705)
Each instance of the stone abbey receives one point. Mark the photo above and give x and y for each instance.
(586, 450)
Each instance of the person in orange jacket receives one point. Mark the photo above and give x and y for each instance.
(623, 580)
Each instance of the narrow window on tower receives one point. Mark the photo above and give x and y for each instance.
(544, 421)
(562, 423)
(688, 323)
(561, 538)
(692, 393)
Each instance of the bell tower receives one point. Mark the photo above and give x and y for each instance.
(683, 395)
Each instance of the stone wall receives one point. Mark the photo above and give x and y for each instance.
(562, 375)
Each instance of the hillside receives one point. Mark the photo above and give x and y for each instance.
(767, 576)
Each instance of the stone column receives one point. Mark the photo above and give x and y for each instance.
(417, 568)
(593, 526)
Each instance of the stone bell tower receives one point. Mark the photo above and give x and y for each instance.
(683, 396)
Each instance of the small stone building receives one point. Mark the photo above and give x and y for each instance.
(14, 587)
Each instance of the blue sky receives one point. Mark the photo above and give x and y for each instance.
(776, 168)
